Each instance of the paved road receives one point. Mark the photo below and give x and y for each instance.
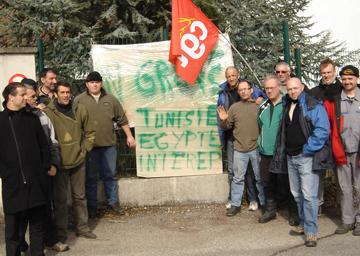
(202, 230)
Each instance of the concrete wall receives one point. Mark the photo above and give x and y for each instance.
(170, 190)
(179, 190)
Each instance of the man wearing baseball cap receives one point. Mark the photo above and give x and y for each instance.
(344, 117)
(107, 115)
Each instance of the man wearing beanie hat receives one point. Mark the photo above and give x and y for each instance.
(344, 117)
(107, 115)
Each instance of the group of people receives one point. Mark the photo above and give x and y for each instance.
(284, 135)
(290, 136)
(51, 141)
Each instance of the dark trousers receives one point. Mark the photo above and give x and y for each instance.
(276, 185)
(76, 178)
(250, 184)
(49, 227)
(36, 231)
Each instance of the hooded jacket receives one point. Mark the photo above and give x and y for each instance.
(75, 136)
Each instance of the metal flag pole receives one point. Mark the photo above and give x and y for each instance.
(242, 58)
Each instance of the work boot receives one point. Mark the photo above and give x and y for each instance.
(344, 228)
(117, 209)
(86, 234)
(232, 211)
(270, 211)
(356, 231)
(293, 213)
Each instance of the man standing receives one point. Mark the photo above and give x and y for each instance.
(245, 147)
(76, 137)
(300, 143)
(106, 114)
(228, 95)
(48, 79)
(276, 182)
(24, 165)
(283, 73)
(344, 118)
(328, 87)
(50, 239)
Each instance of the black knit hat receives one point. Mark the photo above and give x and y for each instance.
(94, 76)
(349, 70)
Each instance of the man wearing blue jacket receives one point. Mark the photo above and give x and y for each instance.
(301, 143)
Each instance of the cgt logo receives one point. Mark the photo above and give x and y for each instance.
(192, 42)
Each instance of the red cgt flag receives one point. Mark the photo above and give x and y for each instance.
(193, 36)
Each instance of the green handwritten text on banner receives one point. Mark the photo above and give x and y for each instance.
(175, 124)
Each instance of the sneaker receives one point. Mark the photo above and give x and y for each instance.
(297, 231)
(228, 205)
(310, 240)
(232, 211)
(356, 231)
(88, 235)
(117, 208)
(344, 228)
(59, 247)
(253, 206)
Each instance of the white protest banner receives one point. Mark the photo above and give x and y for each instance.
(175, 125)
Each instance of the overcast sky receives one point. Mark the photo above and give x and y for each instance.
(340, 17)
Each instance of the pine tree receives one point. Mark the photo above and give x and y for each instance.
(255, 27)
(69, 27)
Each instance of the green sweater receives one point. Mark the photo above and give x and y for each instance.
(243, 120)
(268, 126)
(75, 136)
(103, 115)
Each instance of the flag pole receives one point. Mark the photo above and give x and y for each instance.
(243, 59)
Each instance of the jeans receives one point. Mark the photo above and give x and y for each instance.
(241, 161)
(304, 184)
(101, 160)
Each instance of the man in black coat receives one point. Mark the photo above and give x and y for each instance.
(24, 163)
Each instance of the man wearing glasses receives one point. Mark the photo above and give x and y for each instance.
(245, 143)
(283, 73)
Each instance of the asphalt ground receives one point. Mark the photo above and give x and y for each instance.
(202, 230)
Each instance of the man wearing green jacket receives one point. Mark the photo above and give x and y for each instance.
(76, 137)
(276, 185)
(107, 115)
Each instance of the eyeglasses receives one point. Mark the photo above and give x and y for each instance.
(280, 71)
